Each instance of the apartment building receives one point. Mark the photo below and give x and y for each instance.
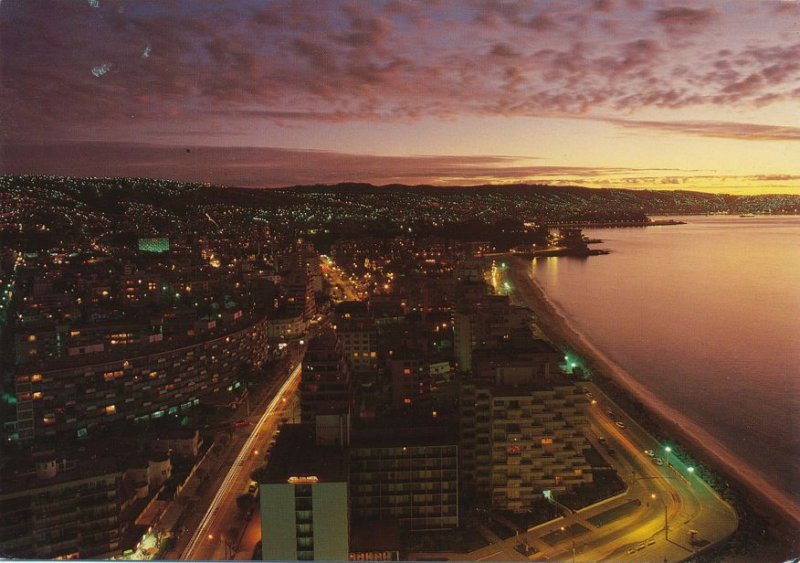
(522, 438)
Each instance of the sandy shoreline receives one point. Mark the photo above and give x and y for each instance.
(559, 329)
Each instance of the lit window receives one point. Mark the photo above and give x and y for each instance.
(31, 338)
(49, 420)
(37, 395)
(111, 375)
(111, 409)
(547, 441)
(36, 377)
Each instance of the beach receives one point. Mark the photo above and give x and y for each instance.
(761, 495)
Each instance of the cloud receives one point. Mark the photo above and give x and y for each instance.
(680, 19)
(336, 62)
(716, 129)
(274, 167)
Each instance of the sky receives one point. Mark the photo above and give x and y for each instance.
(603, 93)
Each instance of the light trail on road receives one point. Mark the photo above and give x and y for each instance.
(236, 467)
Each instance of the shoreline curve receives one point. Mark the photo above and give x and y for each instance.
(559, 329)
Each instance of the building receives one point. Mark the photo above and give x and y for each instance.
(404, 474)
(410, 377)
(286, 328)
(485, 324)
(62, 510)
(359, 338)
(298, 291)
(304, 499)
(325, 386)
(520, 439)
(71, 396)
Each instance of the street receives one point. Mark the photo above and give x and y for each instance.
(210, 540)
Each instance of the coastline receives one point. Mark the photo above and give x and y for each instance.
(760, 494)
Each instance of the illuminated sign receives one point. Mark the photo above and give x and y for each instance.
(154, 244)
(374, 556)
(303, 480)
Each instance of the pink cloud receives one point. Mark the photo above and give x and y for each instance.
(717, 129)
(365, 61)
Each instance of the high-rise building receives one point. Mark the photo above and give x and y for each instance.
(61, 510)
(410, 376)
(325, 386)
(304, 499)
(521, 436)
(487, 323)
(404, 474)
(298, 289)
(359, 338)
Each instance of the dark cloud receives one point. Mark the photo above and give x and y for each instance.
(680, 19)
(503, 50)
(272, 167)
(603, 5)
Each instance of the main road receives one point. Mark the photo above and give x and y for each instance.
(211, 539)
(337, 278)
(677, 512)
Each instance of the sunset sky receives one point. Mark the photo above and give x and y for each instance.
(622, 93)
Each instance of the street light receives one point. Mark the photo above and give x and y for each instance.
(667, 449)
(666, 521)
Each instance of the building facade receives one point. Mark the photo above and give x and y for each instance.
(519, 441)
(415, 484)
(63, 510)
(305, 513)
(325, 386)
(71, 396)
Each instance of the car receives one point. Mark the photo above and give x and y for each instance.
(620, 424)
(252, 488)
(658, 461)
(602, 440)
(650, 453)
(610, 413)
(589, 395)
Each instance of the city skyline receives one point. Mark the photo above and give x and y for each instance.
(626, 94)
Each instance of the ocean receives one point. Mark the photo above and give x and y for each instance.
(705, 316)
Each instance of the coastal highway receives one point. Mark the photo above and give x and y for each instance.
(630, 526)
(670, 492)
(210, 541)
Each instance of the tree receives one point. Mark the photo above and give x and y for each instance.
(246, 502)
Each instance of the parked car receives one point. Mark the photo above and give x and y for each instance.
(620, 424)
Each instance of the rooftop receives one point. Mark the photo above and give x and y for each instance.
(296, 454)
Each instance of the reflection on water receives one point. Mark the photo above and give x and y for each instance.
(707, 316)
